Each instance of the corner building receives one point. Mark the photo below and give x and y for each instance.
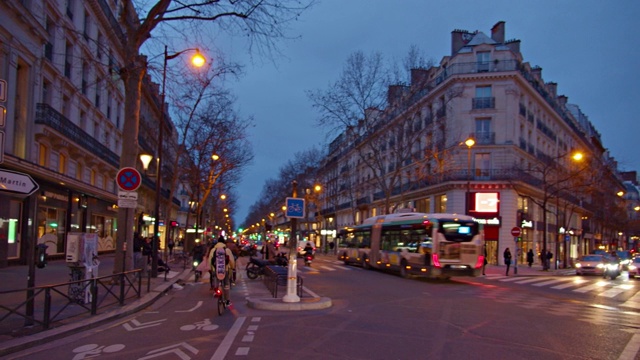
(517, 172)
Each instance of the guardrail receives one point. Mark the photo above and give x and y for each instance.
(275, 276)
(49, 306)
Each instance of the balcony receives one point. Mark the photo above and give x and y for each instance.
(483, 103)
(485, 138)
(48, 116)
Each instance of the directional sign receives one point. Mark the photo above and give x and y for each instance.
(128, 179)
(516, 231)
(15, 182)
(295, 208)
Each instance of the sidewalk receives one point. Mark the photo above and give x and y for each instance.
(525, 270)
(57, 272)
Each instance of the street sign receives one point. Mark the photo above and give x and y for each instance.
(127, 195)
(15, 182)
(295, 207)
(128, 179)
(127, 204)
(516, 231)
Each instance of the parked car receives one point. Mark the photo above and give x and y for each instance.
(592, 264)
(634, 267)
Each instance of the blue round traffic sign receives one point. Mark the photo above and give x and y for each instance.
(128, 179)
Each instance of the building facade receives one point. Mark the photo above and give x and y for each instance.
(519, 171)
(64, 124)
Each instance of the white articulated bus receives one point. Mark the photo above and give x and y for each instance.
(431, 245)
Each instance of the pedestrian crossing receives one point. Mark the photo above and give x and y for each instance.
(600, 287)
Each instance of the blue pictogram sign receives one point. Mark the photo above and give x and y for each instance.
(128, 179)
(295, 208)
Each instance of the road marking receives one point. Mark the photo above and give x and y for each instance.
(611, 292)
(140, 325)
(553, 281)
(510, 279)
(631, 350)
(193, 308)
(575, 282)
(529, 280)
(591, 287)
(328, 268)
(226, 343)
(175, 349)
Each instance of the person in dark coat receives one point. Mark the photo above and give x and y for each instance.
(507, 259)
(530, 257)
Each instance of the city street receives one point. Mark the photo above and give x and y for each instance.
(380, 316)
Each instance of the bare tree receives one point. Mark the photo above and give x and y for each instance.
(263, 21)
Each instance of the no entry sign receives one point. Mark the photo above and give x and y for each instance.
(516, 231)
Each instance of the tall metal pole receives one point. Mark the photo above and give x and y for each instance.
(156, 225)
(292, 278)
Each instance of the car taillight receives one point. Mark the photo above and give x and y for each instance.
(480, 262)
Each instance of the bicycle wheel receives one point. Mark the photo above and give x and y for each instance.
(252, 271)
(221, 305)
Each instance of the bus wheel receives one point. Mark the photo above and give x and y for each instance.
(403, 269)
(365, 263)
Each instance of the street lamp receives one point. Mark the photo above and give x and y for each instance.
(469, 142)
(198, 60)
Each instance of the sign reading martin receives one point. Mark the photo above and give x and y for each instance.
(15, 182)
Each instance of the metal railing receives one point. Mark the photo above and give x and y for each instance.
(48, 306)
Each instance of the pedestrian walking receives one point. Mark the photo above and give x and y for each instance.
(485, 262)
(530, 257)
(170, 246)
(549, 257)
(507, 259)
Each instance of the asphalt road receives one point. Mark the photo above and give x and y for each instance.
(380, 316)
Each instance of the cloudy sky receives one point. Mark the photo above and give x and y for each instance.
(588, 47)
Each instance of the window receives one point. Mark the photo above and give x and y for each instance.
(85, 76)
(482, 165)
(483, 99)
(483, 131)
(68, 60)
(482, 60)
(99, 47)
(66, 107)
(441, 203)
(96, 130)
(92, 177)
(42, 155)
(62, 164)
(48, 46)
(69, 6)
(79, 170)
(46, 92)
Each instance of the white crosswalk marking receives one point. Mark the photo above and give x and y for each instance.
(575, 282)
(613, 292)
(328, 268)
(552, 281)
(529, 280)
(634, 302)
(507, 279)
(591, 287)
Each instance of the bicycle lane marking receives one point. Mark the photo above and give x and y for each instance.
(226, 343)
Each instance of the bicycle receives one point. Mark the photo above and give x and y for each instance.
(222, 305)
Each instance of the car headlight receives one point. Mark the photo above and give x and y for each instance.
(578, 265)
(632, 267)
(600, 266)
(612, 266)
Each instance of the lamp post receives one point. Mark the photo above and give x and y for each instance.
(469, 142)
(198, 60)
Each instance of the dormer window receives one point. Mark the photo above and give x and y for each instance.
(482, 61)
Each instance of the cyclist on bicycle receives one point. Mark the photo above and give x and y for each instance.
(219, 278)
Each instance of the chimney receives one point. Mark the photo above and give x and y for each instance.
(419, 77)
(537, 72)
(514, 46)
(553, 88)
(394, 95)
(497, 32)
(459, 38)
(562, 100)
